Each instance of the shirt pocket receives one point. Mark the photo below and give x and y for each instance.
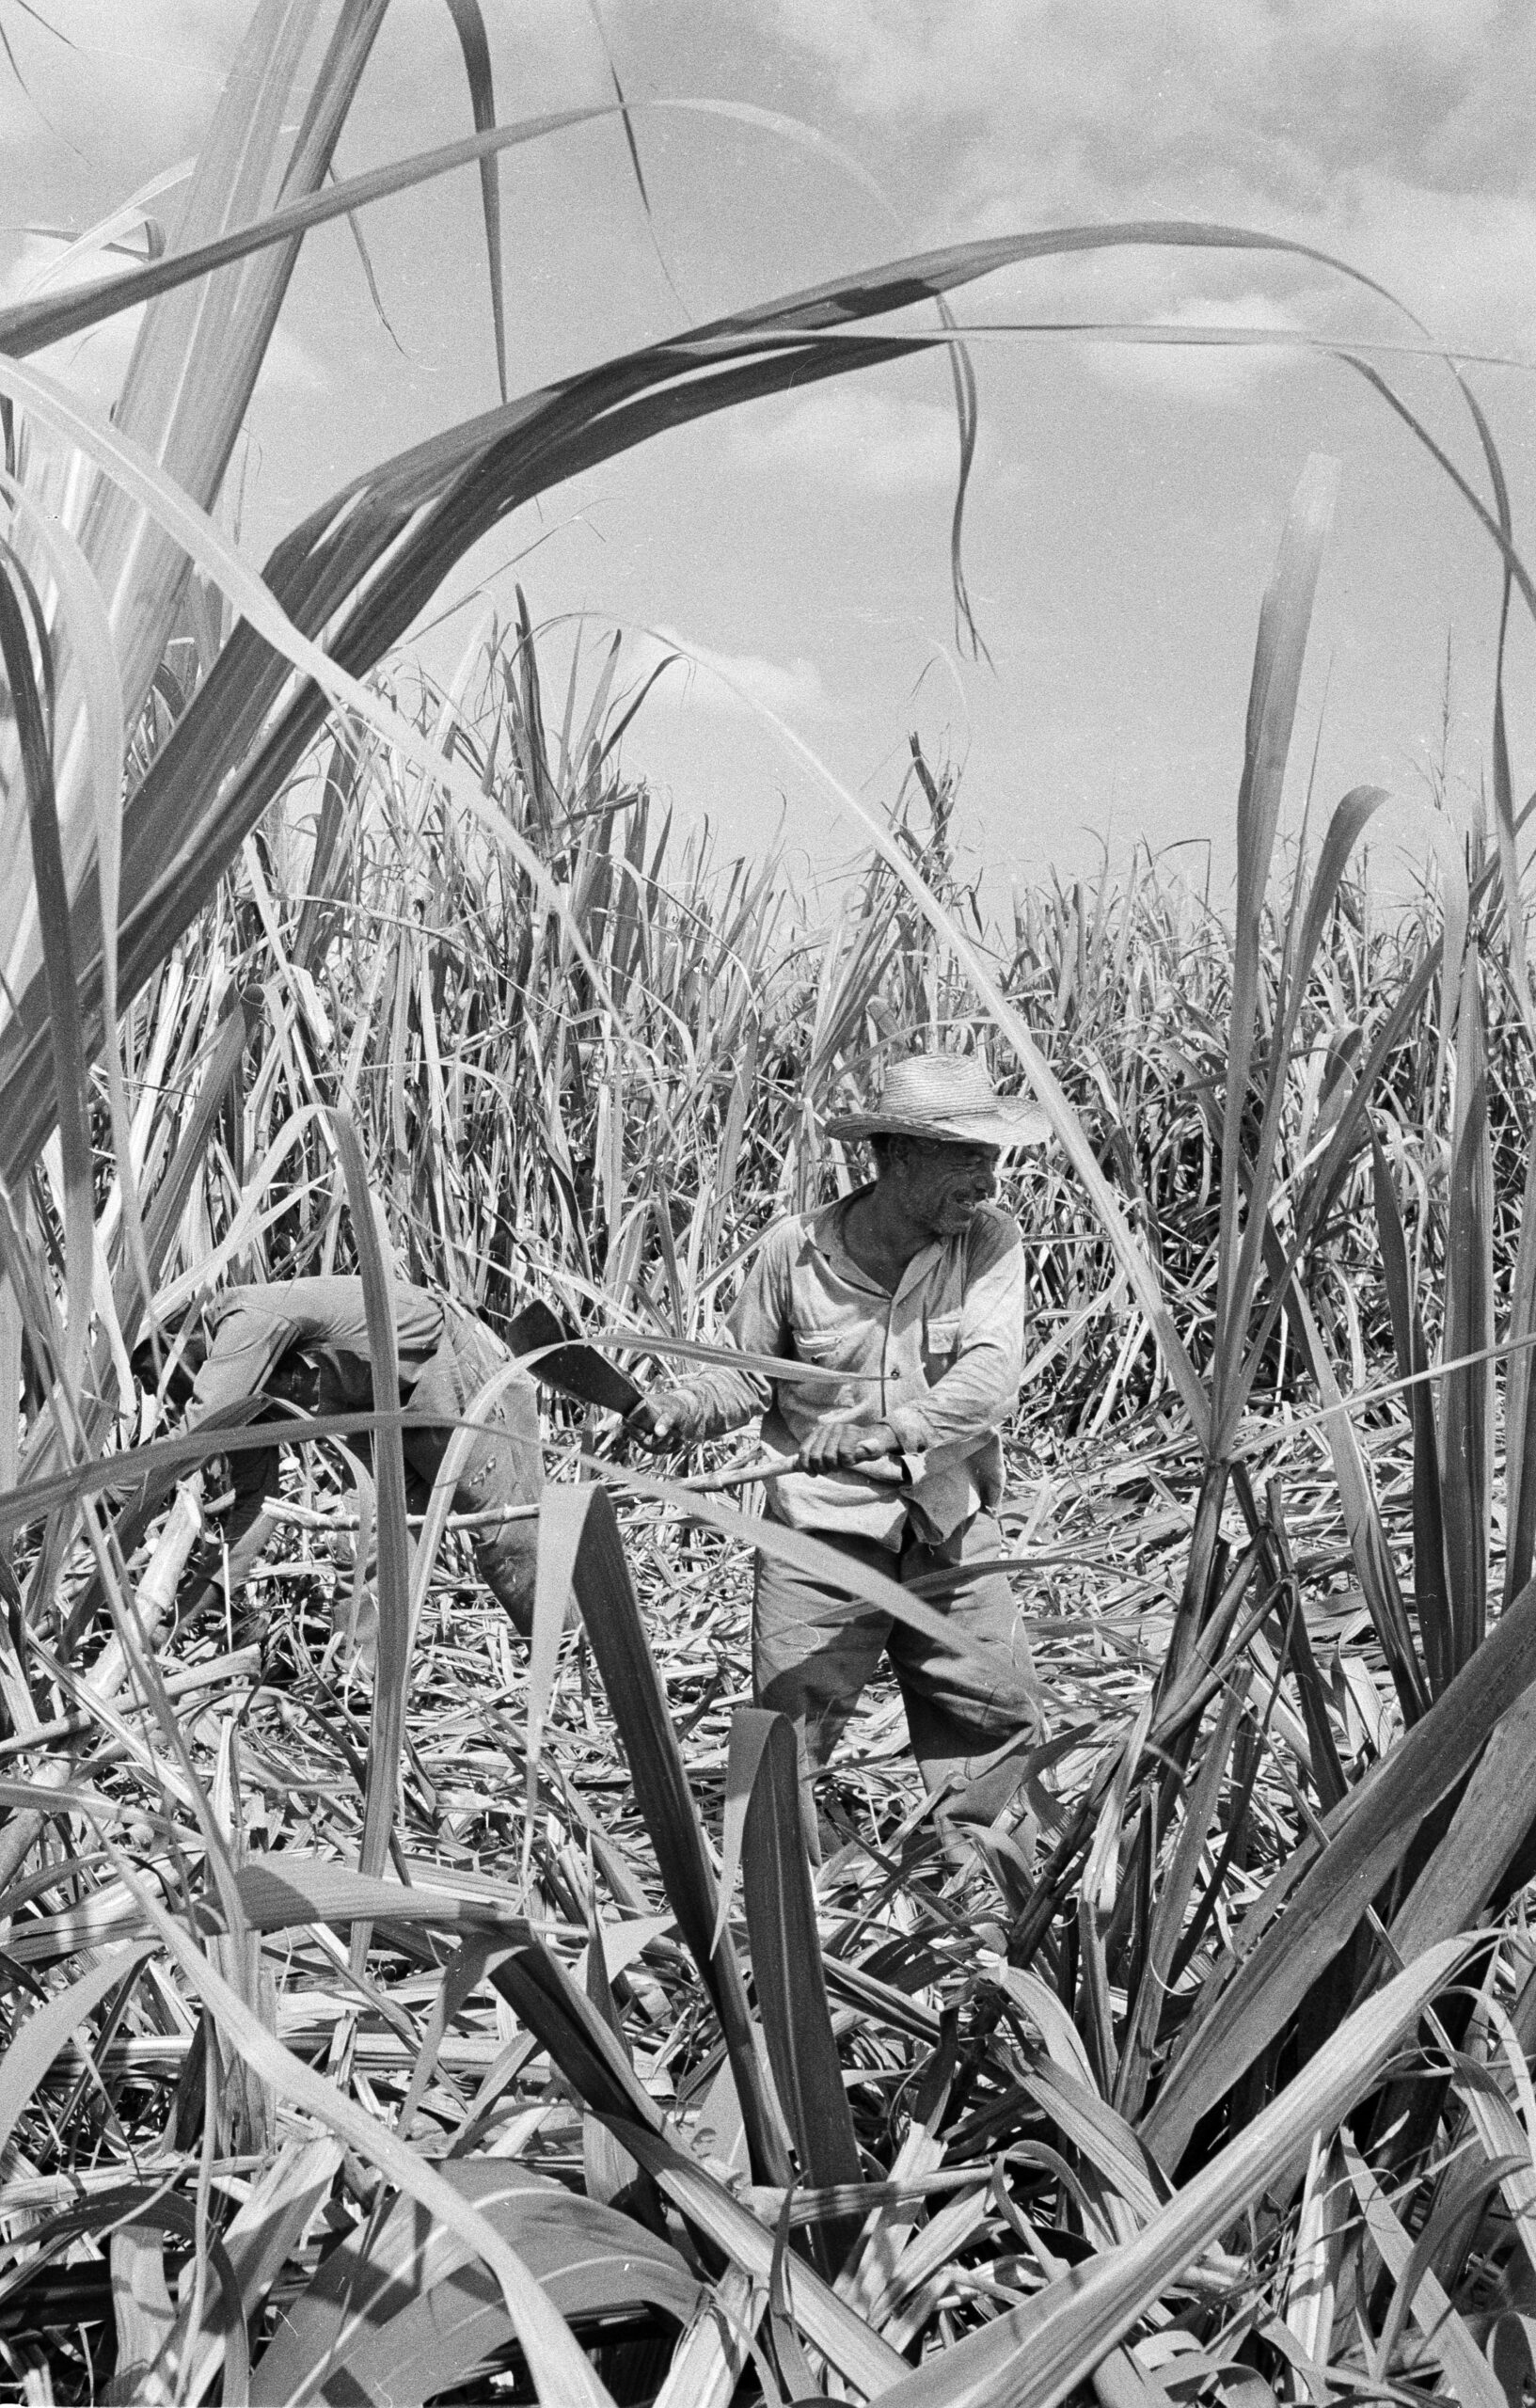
(941, 1343)
(821, 1343)
(829, 1350)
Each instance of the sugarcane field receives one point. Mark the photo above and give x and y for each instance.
(768, 1204)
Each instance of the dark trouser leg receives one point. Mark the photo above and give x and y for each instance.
(962, 1711)
(814, 1649)
(504, 1465)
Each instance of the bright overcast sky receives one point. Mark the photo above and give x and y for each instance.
(1126, 501)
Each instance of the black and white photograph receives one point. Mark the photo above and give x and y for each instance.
(767, 1203)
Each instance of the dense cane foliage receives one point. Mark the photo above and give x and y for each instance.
(395, 2010)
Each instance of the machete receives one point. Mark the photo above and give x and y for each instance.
(565, 1363)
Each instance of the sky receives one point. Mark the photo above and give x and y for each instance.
(1126, 500)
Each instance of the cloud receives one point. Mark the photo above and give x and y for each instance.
(853, 436)
(1387, 69)
(730, 682)
(1393, 132)
(1466, 262)
(131, 85)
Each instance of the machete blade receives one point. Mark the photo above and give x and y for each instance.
(573, 1368)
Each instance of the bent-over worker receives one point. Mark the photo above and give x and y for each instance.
(914, 1287)
(303, 1343)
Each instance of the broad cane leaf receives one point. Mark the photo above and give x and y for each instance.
(1201, 1800)
(471, 27)
(1037, 2354)
(611, 1611)
(1134, 2181)
(149, 2207)
(89, 651)
(32, 325)
(198, 351)
(1465, 2368)
(38, 322)
(406, 2313)
(1349, 822)
(793, 2365)
(283, 1892)
(563, 1522)
(265, 2228)
(559, 2367)
(1367, 1836)
(1044, 2009)
(608, 2168)
(1312, 2290)
(462, 1974)
(1368, 1538)
(1492, 1821)
(48, 2029)
(222, 1434)
(31, 709)
(711, 2358)
(837, 2332)
(142, 2311)
(539, 1989)
(786, 1964)
(749, 1732)
(1284, 621)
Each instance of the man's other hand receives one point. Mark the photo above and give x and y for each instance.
(849, 1443)
(663, 1423)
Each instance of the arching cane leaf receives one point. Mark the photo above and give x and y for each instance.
(1366, 1836)
(786, 1965)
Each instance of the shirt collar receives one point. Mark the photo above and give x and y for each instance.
(825, 1233)
(919, 1268)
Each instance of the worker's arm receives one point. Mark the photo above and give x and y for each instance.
(717, 1398)
(253, 1333)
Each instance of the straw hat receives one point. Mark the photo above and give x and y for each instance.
(946, 1097)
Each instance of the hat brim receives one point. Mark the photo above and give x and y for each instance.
(1010, 1122)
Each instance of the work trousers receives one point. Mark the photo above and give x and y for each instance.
(814, 1648)
(506, 1462)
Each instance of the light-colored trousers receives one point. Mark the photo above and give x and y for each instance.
(815, 1649)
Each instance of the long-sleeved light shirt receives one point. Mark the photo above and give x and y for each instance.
(325, 1319)
(443, 1356)
(939, 1359)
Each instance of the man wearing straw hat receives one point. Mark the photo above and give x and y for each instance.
(913, 1287)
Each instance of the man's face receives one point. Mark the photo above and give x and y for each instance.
(941, 1185)
(295, 1380)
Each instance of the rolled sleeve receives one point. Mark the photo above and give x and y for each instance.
(721, 1398)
